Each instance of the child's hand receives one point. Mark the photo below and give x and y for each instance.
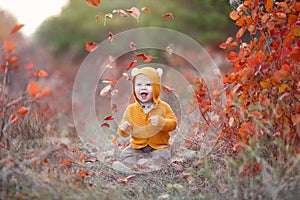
(124, 126)
(154, 120)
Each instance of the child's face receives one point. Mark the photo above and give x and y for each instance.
(143, 88)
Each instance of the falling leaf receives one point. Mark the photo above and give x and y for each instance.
(169, 50)
(107, 16)
(16, 28)
(82, 173)
(132, 46)
(110, 37)
(9, 46)
(109, 117)
(240, 33)
(110, 80)
(145, 58)
(23, 110)
(97, 17)
(167, 88)
(105, 90)
(120, 12)
(91, 159)
(134, 12)
(125, 180)
(146, 9)
(93, 3)
(114, 140)
(91, 46)
(105, 124)
(33, 88)
(131, 65)
(168, 15)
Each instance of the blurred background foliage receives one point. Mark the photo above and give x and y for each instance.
(206, 21)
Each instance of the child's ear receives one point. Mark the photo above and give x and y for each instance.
(134, 71)
(160, 71)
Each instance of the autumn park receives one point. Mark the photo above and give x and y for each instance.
(229, 71)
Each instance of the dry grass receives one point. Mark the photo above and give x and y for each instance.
(60, 169)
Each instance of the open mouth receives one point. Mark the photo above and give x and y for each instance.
(144, 95)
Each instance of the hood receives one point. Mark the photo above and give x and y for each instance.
(154, 77)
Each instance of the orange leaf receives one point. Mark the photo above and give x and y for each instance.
(269, 5)
(91, 46)
(65, 162)
(22, 111)
(9, 46)
(131, 65)
(40, 73)
(240, 33)
(146, 9)
(82, 173)
(16, 28)
(93, 3)
(168, 15)
(257, 114)
(295, 119)
(81, 157)
(33, 88)
(234, 15)
(114, 140)
(110, 80)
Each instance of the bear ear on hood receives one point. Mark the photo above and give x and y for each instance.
(134, 71)
(160, 72)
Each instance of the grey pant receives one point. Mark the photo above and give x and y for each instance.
(131, 156)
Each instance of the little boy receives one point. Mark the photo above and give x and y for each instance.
(148, 121)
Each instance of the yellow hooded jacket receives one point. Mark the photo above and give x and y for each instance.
(142, 132)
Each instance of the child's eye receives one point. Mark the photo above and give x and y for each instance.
(148, 84)
(138, 84)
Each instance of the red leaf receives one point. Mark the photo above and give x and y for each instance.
(168, 15)
(131, 65)
(16, 28)
(93, 3)
(125, 180)
(144, 57)
(109, 117)
(257, 114)
(91, 46)
(134, 12)
(240, 33)
(105, 124)
(223, 45)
